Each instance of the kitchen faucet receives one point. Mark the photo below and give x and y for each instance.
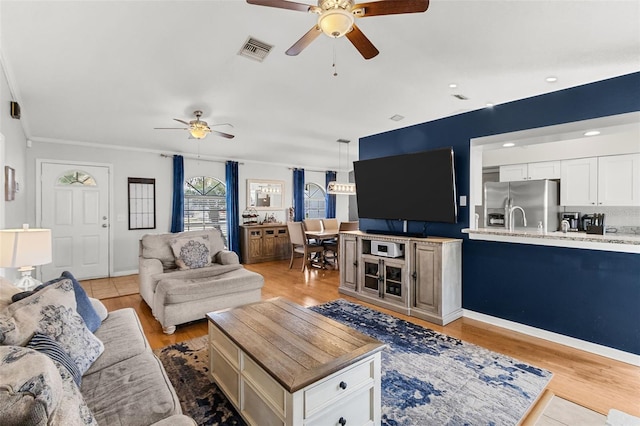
(524, 217)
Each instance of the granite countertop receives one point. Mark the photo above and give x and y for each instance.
(610, 242)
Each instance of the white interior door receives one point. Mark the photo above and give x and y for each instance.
(75, 206)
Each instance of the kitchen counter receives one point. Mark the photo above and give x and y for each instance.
(626, 243)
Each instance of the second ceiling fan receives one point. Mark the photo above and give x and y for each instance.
(337, 18)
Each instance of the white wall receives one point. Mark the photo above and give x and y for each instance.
(152, 165)
(12, 153)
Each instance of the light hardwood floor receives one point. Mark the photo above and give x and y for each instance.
(586, 379)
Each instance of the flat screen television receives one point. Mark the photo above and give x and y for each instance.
(418, 187)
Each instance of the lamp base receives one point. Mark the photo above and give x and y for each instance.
(27, 282)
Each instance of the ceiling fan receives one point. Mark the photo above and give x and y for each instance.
(337, 19)
(197, 128)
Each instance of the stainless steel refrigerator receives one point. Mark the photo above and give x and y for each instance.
(538, 198)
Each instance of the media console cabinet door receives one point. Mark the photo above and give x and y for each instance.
(427, 284)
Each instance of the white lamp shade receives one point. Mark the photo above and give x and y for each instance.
(24, 247)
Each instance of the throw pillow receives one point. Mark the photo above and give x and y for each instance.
(83, 305)
(192, 252)
(101, 310)
(46, 345)
(51, 311)
(35, 390)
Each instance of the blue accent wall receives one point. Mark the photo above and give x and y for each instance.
(586, 294)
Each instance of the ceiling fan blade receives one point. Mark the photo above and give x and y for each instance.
(306, 40)
(224, 135)
(182, 121)
(170, 128)
(391, 7)
(362, 43)
(282, 4)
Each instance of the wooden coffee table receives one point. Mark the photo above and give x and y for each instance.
(282, 364)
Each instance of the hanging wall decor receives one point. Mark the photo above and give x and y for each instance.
(142, 203)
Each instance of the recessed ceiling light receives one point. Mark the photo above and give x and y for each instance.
(508, 144)
(489, 105)
(452, 86)
(551, 79)
(396, 117)
(592, 133)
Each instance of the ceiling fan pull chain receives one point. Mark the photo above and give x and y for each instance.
(335, 69)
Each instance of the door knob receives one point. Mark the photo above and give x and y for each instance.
(104, 225)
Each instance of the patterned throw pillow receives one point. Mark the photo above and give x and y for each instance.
(51, 311)
(192, 252)
(46, 345)
(83, 305)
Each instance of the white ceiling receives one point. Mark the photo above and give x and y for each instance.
(108, 72)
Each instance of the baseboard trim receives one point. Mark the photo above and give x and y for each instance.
(124, 273)
(583, 345)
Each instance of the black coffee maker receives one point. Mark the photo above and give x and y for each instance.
(573, 218)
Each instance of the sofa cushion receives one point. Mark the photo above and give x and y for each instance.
(123, 337)
(171, 290)
(206, 272)
(34, 390)
(135, 391)
(51, 311)
(191, 252)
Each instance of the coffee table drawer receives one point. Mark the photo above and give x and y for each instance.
(261, 380)
(224, 374)
(356, 410)
(224, 346)
(338, 386)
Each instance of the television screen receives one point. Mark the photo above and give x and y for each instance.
(419, 187)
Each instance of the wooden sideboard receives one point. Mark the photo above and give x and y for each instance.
(262, 243)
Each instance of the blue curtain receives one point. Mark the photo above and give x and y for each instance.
(331, 198)
(298, 195)
(177, 212)
(233, 206)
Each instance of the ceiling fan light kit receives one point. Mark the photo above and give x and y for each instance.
(337, 19)
(336, 22)
(197, 128)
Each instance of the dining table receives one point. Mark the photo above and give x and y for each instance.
(319, 237)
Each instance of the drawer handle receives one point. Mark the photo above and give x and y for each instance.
(342, 420)
(343, 385)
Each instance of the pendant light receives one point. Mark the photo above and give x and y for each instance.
(339, 188)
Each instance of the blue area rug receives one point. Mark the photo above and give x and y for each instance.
(429, 378)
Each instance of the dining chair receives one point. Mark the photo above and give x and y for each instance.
(300, 244)
(330, 224)
(313, 225)
(333, 246)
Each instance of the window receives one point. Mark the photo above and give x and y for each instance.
(314, 201)
(205, 205)
(76, 177)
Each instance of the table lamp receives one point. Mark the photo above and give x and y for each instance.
(23, 249)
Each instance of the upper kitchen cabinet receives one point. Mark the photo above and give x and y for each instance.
(605, 181)
(619, 180)
(530, 171)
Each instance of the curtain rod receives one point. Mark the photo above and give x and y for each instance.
(193, 157)
(308, 170)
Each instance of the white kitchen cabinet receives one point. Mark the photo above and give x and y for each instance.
(579, 182)
(530, 171)
(619, 180)
(604, 181)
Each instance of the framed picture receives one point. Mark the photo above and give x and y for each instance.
(142, 203)
(9, 183)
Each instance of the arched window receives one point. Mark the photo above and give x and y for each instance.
(205, 204)
(314, 201)
(76, 177)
